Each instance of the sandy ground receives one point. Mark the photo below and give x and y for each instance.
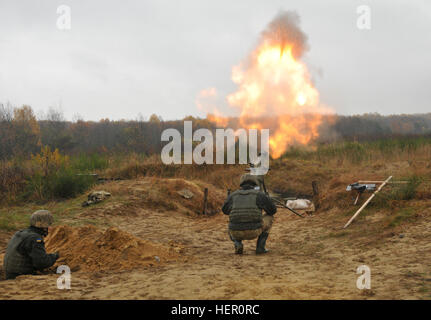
(309, 258)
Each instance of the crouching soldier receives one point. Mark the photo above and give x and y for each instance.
(246, 221)
(25, 253)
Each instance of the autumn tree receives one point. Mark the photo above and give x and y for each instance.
(6, 131)
(26, 131)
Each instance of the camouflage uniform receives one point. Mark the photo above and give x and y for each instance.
(25, 253)
(96, 197)
(267, 221)
(246, 221)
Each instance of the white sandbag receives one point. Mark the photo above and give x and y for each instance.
(298, 204)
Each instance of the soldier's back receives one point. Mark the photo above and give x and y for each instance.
(15, 260)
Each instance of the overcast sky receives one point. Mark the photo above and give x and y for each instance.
(124, 58)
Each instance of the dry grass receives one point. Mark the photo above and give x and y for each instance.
(332, 166)
(221, 176)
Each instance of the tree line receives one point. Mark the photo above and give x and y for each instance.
(22, 133)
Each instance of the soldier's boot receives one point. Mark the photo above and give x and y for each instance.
(261, 241)
(239, 248)
(238, 245)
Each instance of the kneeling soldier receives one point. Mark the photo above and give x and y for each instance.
(25, 253)
(246, 221)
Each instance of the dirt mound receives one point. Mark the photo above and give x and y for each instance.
(90, 249)
(190, 195)
(161, 195)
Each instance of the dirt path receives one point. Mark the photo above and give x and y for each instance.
(309, 259)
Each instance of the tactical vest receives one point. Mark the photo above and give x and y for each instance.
(16, 262)
(245, 215)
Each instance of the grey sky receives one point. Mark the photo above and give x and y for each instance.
(122, 58)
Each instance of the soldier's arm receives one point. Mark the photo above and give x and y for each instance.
(265, 203)
(227, 206)
(36, 250)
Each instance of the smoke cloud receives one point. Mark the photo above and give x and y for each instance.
(284, 29)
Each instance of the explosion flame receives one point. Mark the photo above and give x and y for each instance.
(273, 81)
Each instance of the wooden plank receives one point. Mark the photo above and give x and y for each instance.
(316, 199)
(367, 202)
(204, 211)
(357, 198)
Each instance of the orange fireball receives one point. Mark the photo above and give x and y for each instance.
(274, 82)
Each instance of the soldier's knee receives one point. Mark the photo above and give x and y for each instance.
(267, 221)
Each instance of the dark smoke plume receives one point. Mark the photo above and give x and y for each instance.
(284, 28)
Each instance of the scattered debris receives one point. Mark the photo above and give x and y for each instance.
(96, 197)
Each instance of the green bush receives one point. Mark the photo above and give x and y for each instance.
(396, 192)
(67, 184)
(407, 191)
(88, 163)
